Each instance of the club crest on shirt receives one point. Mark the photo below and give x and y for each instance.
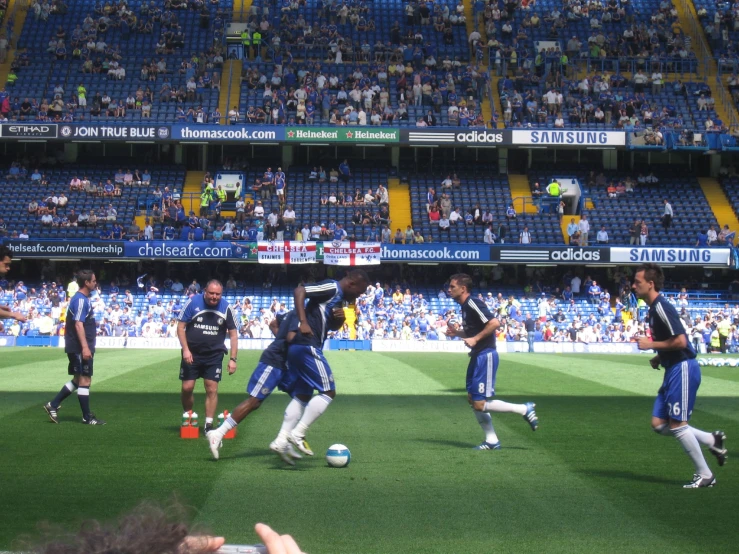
(220, 321)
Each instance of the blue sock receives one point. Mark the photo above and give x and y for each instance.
(83, 395)
(67, 389)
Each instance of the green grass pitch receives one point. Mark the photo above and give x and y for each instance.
(593, 478)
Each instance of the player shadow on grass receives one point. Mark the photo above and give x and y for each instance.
(464, 445)
(631, 476)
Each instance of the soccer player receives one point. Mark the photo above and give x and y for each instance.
(6, 258)
(202, 327)
(305, 355)
(478, 331)
(271, 372)
(676, 397)
(79, 344)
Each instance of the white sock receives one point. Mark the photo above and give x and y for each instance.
(703, 437)
(313, 411)
(208, 420)
(293, 413)
(505, 407)
(693, 449)
(227, 425)
(486, 422)
(663, 429)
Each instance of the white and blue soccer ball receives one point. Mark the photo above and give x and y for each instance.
(338, 455)
(702, 361)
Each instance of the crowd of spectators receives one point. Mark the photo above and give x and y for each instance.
(582, 311)
(371, 94)
(605, 99)
(618, 33)
(445, 214)
(153, 81)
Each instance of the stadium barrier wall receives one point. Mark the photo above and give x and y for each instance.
(411, 253)
(457, 346)
(376, 345)
(368, 135)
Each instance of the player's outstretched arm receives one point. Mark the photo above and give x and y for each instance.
(6, 313)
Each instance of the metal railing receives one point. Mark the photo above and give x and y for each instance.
(728, 102)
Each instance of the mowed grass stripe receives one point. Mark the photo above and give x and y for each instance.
(717, 396)
(622, 462)
(38, 374)
(589, 480)
(415, 477)
(28, 369)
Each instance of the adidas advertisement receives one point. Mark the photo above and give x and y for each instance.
(557, 255)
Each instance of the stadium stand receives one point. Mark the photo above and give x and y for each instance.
(478, 190)
(618, 211)
(19, 195)
(160, 50)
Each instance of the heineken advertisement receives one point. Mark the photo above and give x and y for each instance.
(351, 134)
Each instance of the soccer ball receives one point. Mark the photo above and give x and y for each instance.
(338, 455)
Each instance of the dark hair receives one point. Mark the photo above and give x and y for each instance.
(358, 275)
(148, 529)
(463, 280)
(653, 273)
(213, 282)
(5, 252)
(83, 276)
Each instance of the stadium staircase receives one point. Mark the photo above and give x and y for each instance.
(350, 315)
(17, 9)
(230, 87)
(565, 222)
(520, 189)
(191, 191)
(400, 203)
(707, 65)
(241, 10)
(720, 205)
(140, 220)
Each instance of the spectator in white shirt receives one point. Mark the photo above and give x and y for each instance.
(525, 236)
(288, 215)
(711, 235)
(148, 231)
(489, 237)
(259, 209)
(584, 230)
(602, 236)
(667, 215)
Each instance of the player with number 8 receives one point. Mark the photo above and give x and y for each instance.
(478, 331)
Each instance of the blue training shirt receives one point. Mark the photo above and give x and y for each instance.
(207, 327)
(322, 298)
(275, 354)
(475, 315)
(79, 309)
(665, 322)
